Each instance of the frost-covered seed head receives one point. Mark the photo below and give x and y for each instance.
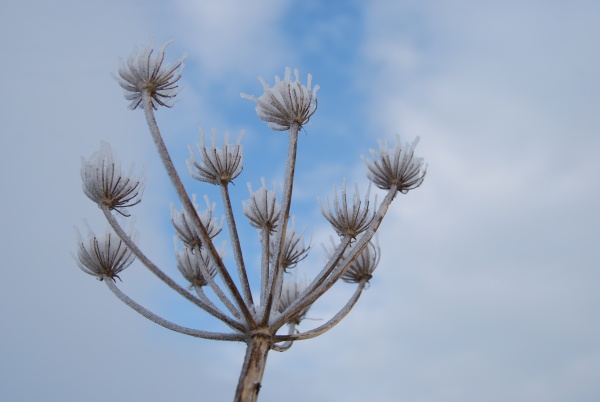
(346, 220)
(192, 264)
(294, 249)
(105, 184)
(396, 166)
(217, 165)
(361, 269)
(290, 291)
(185, 229)
(262, 209)
(146, 73)
(103, 256)
(287, 103)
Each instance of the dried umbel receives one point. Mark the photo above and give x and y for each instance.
(188, 232)
(217, 165)
(294, 250)
(348, 220)
(105, 183)
(291, 291)
(257, 317)
(146, 73)
(103, 256)
(396, 166)
(262, 209)
(287, 103)
(361, 269)
(196, 265)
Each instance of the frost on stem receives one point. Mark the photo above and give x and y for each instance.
(193, 264)
(291, 290)
(348, 220)
(103, 256)
(187, 231)
(287, 102)
(145, 73)
(105, 184)
(262, 209)
(217, 165)
(396, 166)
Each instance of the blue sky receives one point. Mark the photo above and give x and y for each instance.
(487, 287)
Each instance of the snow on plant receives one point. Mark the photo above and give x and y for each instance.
(282, 301)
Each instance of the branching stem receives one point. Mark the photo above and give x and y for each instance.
(189, 208)
(168, 324)
(235, 244)
(276, 280)
(164, 277)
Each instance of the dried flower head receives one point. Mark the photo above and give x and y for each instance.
(103, 257)
(290, 292)
(145, 73)
(262, 209)
(188, 232)
(361, 269)
(105, 184)
(194, 264)
(217, 166)
(294, 249)
(396, 166)
(348, 221)
(287, 103)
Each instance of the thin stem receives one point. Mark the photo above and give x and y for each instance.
(276, 280)
(265, 238)
(329, 324)
(287, 343)
(202, 296)
(163, 277)
(213, 285)
(168, 324)
(189, 208)
(235, 244)
(297, 305)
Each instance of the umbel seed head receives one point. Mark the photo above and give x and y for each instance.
(348, 220)
(194, 265)
(396, 166)
(103, 256)
(105, 184)
(290, 292)
(361, 269)
(217, 165)
(145, 74)
(287, 102)
(294, 249)
(262, 209)
(188, 232)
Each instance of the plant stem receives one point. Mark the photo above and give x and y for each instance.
(168, 324)
(276, 280)
(235, 243)
(253, 369)
(164, 277)
(189, 208)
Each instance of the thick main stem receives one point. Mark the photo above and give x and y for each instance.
(253, 369)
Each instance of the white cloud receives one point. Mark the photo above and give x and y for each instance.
(232, 38)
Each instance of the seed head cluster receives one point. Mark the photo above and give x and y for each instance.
(287, 102)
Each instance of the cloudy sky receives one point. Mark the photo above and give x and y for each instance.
(488, 285)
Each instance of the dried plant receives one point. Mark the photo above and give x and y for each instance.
(287, 106)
